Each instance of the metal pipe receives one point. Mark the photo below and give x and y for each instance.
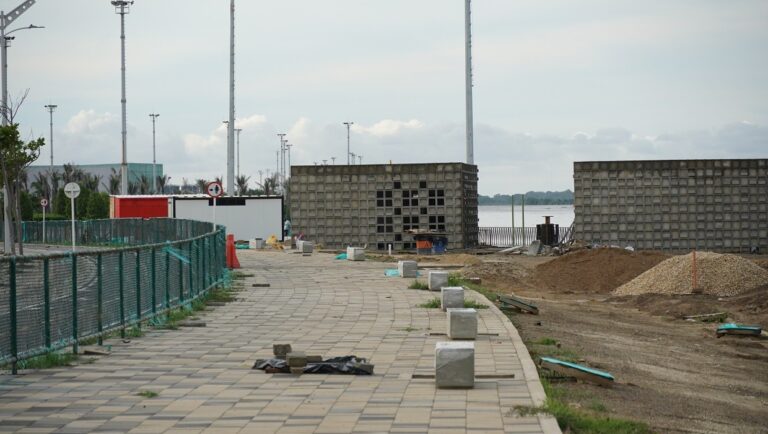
(231, 131)
(468, 80)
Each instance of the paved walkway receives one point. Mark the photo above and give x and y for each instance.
(319, 305)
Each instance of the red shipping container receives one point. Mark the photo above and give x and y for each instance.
(138, 206)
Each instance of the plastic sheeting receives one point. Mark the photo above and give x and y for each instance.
(345, 365)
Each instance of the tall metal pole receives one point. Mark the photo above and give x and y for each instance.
(238, 130)
(122, 8)
(468, 78)
(360, 158)
(279, 159)
(51, 108)
(348, 124)
(154, 154)
(231, 131)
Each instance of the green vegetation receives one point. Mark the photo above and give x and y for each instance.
(134, 332)
(531, 198)
(545, 341)
(45, 361)
(148, 394)
(418, 285)
(472, 304)
(409, 329)
(433, 303)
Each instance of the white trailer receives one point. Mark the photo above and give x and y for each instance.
(246, 217)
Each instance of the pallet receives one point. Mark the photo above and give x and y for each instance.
(577, 371)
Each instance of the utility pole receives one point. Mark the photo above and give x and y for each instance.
(360, 158)
(279, 158)
(289, 146)
(238, 130)
(333, 159)
(353, 157)
(5, 21)
(123, 7)
(154, 117)
(231, 131)
(51, 108)
(348, 124)
(468, 84)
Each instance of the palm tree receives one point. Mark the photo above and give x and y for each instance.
(200, 184)
(113, 185)
(55, 178)
(91, 182)
(269, 186)
(162, 181)
(144, 184)
(72, 173)
(241, 185)
(40, 185)
(133, 188)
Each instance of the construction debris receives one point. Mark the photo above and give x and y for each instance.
(508, 302)
(736, 329)
(346, 365)
(577, 371)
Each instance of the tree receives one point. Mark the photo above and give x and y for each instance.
(241, 185)
(269, 186)
(62, 204)
(81, 204)
(15, 156)
(98, 206)
(27, 206)
(162, 181)
(113, 186)
(200, 184)
(144, 185)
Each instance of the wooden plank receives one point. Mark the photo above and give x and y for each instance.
(518, 303)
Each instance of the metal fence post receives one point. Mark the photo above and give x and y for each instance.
(181, 281)
(121, 287)
(99, 297)
(47, 302)
(191, 269)
(138, 289)
(167, 279)
(74, 303)
(154, 284)
(12, 306)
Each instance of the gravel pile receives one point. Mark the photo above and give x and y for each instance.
(722, 275)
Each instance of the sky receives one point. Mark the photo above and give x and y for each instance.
(554, 82)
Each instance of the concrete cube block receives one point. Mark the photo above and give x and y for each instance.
(437, 280)
(280, 350)
(455, 364)
(355, 254)
(452, 297)
(296, 359)
(307, 247)
(462, 323)
(407, 268)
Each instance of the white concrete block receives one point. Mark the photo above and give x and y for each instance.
(452, 297)
(437, 279)
(306, 246)
(407, 268)
(455, 364)
(257, 243)
(462, 323)
(355, 254)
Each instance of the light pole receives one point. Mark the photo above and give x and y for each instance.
(289, 146)
(154, 117)
(238, 130)
(348, 124)
(468, 81)
(123, 7)
(51, 108)
(279, 156)
(5, 21)
(333, 159)
(231, 131)
(353, 157)
(360, 158)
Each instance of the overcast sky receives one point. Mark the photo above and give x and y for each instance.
(555, 82)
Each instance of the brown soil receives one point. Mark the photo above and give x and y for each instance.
(595, 270)
(673, 374)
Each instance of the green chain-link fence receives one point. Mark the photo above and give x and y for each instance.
(51, 301)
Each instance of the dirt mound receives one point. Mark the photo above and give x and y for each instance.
(722, 275)
(595, 270)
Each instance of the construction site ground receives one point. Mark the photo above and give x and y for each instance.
(671, 373)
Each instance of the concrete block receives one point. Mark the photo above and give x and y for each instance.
(455, 364)
(280, 350)
(452, 297)
(257, 243)
(437, 280)
(296, 359)
(407, 268)
(307, 247)
(355, 254)
(462, 323)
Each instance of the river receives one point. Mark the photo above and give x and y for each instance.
(501, 215)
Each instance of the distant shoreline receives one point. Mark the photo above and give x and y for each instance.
(531, 198)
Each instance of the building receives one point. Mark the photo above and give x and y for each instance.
(375, 205)
(718, 205)
(103, 171)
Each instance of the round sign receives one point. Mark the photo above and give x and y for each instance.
(72, 190)
(43, 202)
(214, 189)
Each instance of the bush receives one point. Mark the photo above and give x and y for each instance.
(98, 206)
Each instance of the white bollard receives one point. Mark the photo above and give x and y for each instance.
(437, 280)
(455, 364)
(462, 323)
(407, 268)
(452, 297)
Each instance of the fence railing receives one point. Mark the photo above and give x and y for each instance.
(48, 302)
(509, 236)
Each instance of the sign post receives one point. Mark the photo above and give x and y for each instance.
(214, 190)
(72, 191)
(43, 203)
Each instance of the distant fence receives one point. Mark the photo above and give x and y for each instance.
(509, 236)
(52, 301)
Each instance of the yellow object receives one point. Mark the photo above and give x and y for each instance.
(274, 242)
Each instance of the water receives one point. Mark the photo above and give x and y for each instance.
(501, 215)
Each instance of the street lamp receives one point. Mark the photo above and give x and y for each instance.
(353, 158)
(281, 156)
(231, 132)
(238, 130)
(51, 108)
(5, 21)
(333, 159)
(348, 124)
(360, 157)
(154, 159)
(122, 8)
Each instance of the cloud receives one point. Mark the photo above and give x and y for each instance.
(388, 127)
(90, 122)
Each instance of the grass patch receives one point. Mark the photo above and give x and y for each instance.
(44, 361)
(545, 341)
(418, 285)
(472, 304)
(239, 275)
(134, 332)
(409, 329)
(433, 303)
(148, 394)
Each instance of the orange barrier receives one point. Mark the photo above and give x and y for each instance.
(232, 261)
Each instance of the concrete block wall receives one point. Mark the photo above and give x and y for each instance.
(371, 204)
(717, 205)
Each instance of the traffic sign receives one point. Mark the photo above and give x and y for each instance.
(43, 202)
(72, 190)
(214, 189)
